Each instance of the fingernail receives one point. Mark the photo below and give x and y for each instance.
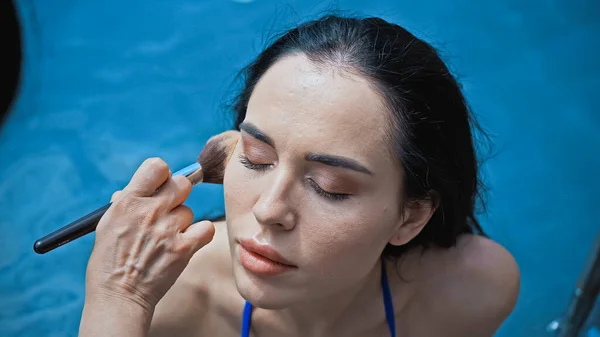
(207, 225)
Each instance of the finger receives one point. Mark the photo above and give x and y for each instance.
(175, 191)
(182, 216)
(116, 195)
(148, 178)
(198, 235)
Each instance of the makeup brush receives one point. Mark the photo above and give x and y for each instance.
(209, 168)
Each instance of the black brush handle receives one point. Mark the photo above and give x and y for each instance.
(88, 223)
(70, 232)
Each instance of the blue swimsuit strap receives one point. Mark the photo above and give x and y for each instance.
(387, 302)
(246, 319)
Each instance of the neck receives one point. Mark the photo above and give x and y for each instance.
(330, 315)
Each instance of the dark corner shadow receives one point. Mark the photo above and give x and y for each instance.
(10, 66)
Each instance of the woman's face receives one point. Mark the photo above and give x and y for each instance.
(311, 179)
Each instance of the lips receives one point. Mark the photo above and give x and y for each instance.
(265, 252)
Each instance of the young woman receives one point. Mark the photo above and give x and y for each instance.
(349, 200)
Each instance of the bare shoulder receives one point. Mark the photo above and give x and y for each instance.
(475, 285)
(490, 273)
(183, 310)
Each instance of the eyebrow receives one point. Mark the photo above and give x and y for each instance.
(253, 131)
(338, 161)
(326, 159)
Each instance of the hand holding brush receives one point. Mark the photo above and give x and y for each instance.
(209, 168)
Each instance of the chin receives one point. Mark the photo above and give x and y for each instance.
(271, 294)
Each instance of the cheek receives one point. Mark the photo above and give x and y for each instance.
(235, 190)
(356, 235)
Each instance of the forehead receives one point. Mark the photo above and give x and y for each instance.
(319, 106)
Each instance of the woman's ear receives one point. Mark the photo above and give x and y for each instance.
(414, 218)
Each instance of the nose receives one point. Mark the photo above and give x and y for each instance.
(275, 206)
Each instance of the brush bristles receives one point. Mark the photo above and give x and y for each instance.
(215, 155)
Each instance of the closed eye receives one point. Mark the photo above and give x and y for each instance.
(321, 192)
(250, 165)
(325, 194)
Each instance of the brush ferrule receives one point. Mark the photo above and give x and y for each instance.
(193, 172)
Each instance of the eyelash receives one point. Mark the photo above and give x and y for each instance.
(259, 167)
(330, 196)
(250, 165)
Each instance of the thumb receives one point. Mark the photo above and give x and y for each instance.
(199, 235)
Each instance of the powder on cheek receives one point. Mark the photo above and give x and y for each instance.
(333, 237)
(235, 189)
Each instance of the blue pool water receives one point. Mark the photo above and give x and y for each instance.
(110, 83)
